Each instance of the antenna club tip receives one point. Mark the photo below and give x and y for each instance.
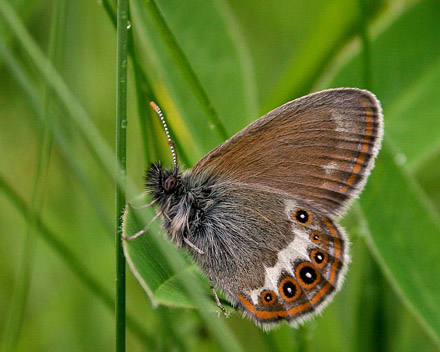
(154, 106)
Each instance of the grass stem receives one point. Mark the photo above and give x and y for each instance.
(121, 158)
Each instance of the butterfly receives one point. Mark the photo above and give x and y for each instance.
(258, 213)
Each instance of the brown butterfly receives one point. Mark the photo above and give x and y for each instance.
(258, 213)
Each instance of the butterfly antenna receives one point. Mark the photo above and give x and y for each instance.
(170, 141)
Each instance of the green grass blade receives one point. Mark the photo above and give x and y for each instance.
(369, 335)
(409, 95)
(97, 145)
(234, 28)
(32, 94)
(224, 69)
(144, 94)
(315, 51)
(407, 246)
(121, 161)
(185, 67)
(367, 73)
(73, 262)
(18, 303)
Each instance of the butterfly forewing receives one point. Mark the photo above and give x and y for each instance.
(320, 148)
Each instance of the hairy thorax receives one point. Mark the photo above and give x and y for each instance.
(208, 218)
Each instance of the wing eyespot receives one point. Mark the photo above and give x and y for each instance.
(319, 239)
(268, 297)
(307, 275)
(302, 216)
(319, 257)
(289, 289)
(316, 237)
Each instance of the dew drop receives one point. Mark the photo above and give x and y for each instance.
(128, 24)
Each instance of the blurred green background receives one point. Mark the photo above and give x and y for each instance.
(57, 118)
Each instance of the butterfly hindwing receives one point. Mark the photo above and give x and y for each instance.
(274, 256)
(306, 275)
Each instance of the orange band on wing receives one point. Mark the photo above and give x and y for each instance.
(299, 309)
(336, 246)
(266, 315)
(333, 271)
(249, 306)
(321, 293)
(261, 314)
(364, 147)
(330, 227)
(335, 235)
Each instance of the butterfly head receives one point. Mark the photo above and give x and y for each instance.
(163, 183)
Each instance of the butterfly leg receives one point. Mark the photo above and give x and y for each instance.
(142, 206)
(217, 300)
(193, 246)
(141, 232)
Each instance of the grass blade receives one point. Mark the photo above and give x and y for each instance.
(405, 247)
(144, 93)
(19, 300)
(186, 69)
(96, 143)
(121, 161)
(32, 94)
(73, 262)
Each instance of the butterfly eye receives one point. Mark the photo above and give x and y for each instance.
(319, 258)
(307, 275)
(170, 184)
(289, 289)
(268, 297)
(302, 216)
